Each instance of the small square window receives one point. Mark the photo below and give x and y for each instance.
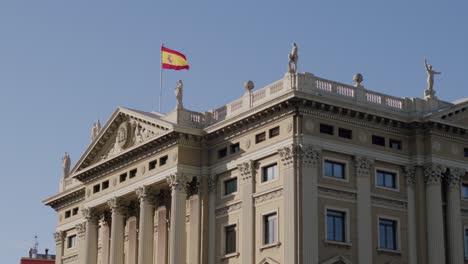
(67, 214)
(163, 160)
(378, 140)
(222, 153)
(230, 239)
(274, 132)
(152, 164)
(230, 186)
(387, 234)
(132, 173)
(75, 211)
(345, 133)
(326, 129)
(336, 227)
(334, 169)
(235, 148)
(260, 137)
(96, 188)
(395, 144)
(270, 172)
(465, 191)
(105, 185)
(386, 179)
(123, 177)
(71, 241)
(466, 152)
(270, 228)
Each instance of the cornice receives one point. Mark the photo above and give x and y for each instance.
(66, 198)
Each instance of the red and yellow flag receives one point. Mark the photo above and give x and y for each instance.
(173, 60)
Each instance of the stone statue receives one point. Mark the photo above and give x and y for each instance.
(179, 94)
(430, 92)
(95, 130)
(66, 164)
(293, 58)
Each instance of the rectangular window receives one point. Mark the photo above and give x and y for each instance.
(222, 153)
(274, 132)
(270, 228)
(96, 188)
(260, 137)
(105, 185)
(466, 242)
(387, 234)
(67, 214)
(378, 140)
(395, 144)
(132, 173)
(230, 236)
(163, 160)
(230, 186)
(235, 148)
(345, 133)
(466, 152)
(334, 169)
(270, 172)
(123, 177)
(75, 211)
(465, 191)
(386, 179)
(71, 241)
(336, 226)
(152, 164)
(326, 129)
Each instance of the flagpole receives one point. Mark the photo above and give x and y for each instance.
(160, 77)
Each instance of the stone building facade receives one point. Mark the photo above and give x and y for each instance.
(304, 170)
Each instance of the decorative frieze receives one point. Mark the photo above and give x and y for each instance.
(81, 229)
(338, 194)
(178, 182)
(269, 196)
(246, 170)
(363, 166)
(310, 155)
(433, 173)
(410, 175)
(289, 154)
(228, 209)
(59, 237)
(388, 203)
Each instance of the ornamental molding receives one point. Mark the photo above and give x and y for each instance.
(90, 214)
(269, 196)
(59, 236)
(454, 178)
(70, 259)
(289, 154)
(311, 156)
(81, 229)
(116, 206)
(211, 183)
(228, 209)
(246, 170)
(146, 194)
(363, 166)
(387, 202)
(178, 182)
(433, 173)
(337, 194)
(410, 174)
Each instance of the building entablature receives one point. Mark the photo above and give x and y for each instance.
(66, 198)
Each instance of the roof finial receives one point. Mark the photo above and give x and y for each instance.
(95, 130)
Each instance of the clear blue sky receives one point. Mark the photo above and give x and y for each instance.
(64, 64)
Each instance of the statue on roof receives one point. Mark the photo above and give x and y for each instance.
(293, 58)
(430, 92)
(179, 94)
(95, 130)
(66, 165)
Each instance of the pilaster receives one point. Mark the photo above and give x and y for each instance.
(211, 219)
(454, 221)
(105, 237)
(410, 175)
(195, 223)
(247, 170)
(81, 232)
(59, 242)
(91, 239)
(161, 249)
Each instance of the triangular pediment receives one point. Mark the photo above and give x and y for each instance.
(337, 260)
(268, 260)
(457, 115)
(125, 129)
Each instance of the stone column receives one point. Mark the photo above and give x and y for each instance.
(145, 234)
(131, 235)
(81, 232)
(105, 238)
(247, 252)
(289, 172)
(177, 237)
(195, 225)
(410, 173)
(363, 167)
(91, 240)
(59, 241)
(161, 230)
(117, 232)
(435, 215)
(454, 221)
(311, 158)
(212, 219)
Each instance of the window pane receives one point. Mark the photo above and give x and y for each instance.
(380, 179)
(338, 170)
(390, 181)
(328, 169)
(230, 239)
(230, 186)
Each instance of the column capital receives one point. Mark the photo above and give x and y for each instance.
(363, 166)
(289, 154)
(211, 183)
(194, 187)
(246, 170)
(81, 229)
(105, 219)
(310, 155)
(90, 214)
(146, 194)
(433, 173)
(410, 174)
(59, 236)
(115, 205)
(455, 177)
(178, 182)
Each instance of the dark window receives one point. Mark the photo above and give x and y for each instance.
(67, 214)
(105, 185)
(152, 164)
(132, 173)
(395, 144)
(386, 179)
(274, 132)
(334, 169)
(466, 243)
(235, 148)
(270, 228)
(465, 191)
(123, 177)
(230, 243)
(378, 140)
(387, 234)
(75, 211)
(163, 160)
(71, 241)
(336, 226)
(269, 172)
(345, 133)
(96, 188)
(260, 137)
(326, 129)
(230, 186)
(466, 152)
(222, 153)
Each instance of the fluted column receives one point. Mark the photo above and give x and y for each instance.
(59, 241)
(246, 171)
(435, 220)
(105, 238)
(410, 173)
(117, 232)
(288, 157)
(212, 219)
(454, 221)
(145, 234)
(91, 240)
(363, 167)
(177, 237)
(309, 202)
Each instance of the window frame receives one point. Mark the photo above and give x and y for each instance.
(234, 148)
(223, 187)
(152, 164)
(96, 188)
(397, 179)
(223, 253)
(123, 177)
(377, 136)
(105, 185)
(262, 170)
(263, 234)
(74, 238)
(342, 129)
(465, 152)
(326, 126)
(391, 140)
(461, 191)
(222, 152)
(347, 227)
(132, 173)
(397, 233)
(274, 129)
(257, 141)
(335, 160)
(163, 160)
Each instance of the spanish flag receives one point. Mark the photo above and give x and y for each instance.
(173, 60)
